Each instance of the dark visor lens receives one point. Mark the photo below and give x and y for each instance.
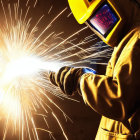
(104, 19)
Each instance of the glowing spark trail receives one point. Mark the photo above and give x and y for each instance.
(25, 60)
(60, 126)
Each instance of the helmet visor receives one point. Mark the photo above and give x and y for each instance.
(104, 19)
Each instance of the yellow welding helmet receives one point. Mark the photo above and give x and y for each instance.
(102, 16)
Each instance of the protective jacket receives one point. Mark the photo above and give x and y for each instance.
(116, 95)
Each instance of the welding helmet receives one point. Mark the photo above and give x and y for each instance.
(105, 17)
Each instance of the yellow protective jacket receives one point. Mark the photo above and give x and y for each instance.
(116, 95)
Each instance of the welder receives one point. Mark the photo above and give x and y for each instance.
(115, 95)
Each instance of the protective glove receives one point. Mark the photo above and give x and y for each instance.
(68, 78)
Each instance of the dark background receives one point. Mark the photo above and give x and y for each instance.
(85, 120)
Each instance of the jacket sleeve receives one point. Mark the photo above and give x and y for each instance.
(100, 93)
(116, 96)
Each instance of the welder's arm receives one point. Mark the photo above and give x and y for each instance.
(68, 79)
(111, 98)
(98, 92)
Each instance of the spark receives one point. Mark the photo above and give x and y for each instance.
(50, 9)
(60, 126)
(25, 62)
(35, 3)
(69, 14)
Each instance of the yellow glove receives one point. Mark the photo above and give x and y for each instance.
(68, 79)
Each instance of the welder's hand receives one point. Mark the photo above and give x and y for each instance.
(55, 77)
(68, 79)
